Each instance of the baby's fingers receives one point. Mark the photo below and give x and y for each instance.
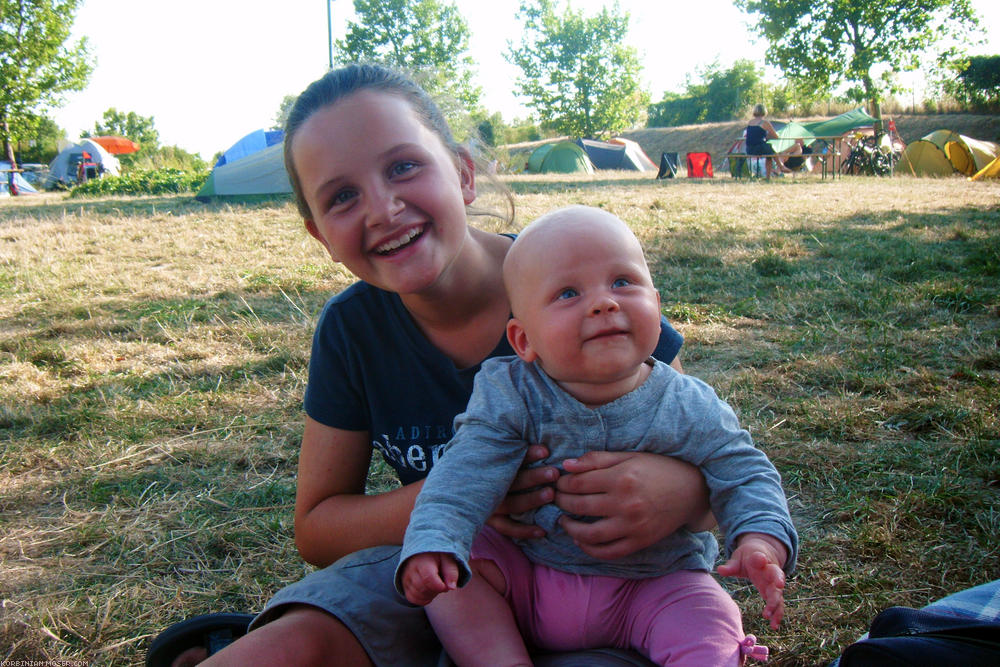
(449, 574)
(770, 581)
(774, 611)
(422, 582)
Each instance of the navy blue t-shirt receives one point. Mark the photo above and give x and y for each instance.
(373, 370)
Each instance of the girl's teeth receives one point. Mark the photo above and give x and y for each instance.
(401, 241)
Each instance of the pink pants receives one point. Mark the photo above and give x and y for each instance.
(682, 618)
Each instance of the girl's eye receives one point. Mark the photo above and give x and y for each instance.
(401, 168)
(567, 293)
(340, 198)
(621, 282)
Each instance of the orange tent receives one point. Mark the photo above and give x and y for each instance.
(116, 145)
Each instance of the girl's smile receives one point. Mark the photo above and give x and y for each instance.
(401, 241)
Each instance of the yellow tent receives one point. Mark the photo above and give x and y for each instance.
(992, 170)
(943, 152)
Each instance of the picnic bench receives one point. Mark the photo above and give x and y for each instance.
(827, 160)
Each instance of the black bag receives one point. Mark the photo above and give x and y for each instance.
(905, 637)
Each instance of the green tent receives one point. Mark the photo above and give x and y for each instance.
(536, 157)
(564, 157)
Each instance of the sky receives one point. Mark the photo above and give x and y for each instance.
(210, 71)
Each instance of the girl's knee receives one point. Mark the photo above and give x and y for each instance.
(302, 635)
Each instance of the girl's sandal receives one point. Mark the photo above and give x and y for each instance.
(212, 632)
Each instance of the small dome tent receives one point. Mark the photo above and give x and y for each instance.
(564, 157)
(616, 154)
(535, 159)
(256, 141)
(635, 154)
(63, 168)
(262, 173)
(254, 165)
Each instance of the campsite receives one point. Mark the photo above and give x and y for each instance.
(152, 363)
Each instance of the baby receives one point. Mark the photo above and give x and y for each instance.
(586, 319)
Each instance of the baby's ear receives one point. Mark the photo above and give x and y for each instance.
(518, 340)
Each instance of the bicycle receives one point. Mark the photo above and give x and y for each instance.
(868, 157)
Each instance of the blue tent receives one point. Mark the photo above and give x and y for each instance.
(254, 166)
(252, 143)
(7, 176)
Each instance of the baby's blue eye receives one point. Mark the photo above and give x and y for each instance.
(568, 293)
(621, 282)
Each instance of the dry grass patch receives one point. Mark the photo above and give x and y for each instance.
(153, 354)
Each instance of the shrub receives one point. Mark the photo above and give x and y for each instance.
(149, 182)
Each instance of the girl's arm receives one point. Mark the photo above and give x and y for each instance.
(333, 516)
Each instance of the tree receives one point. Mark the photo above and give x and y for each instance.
(821, 44)
(36, 65)
(976, 82)
(426, 38)
(283, 110)
(141, 130)
(719, 95)
(130, 125)
(39, 140)
(577, 73)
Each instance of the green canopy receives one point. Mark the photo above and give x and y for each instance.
(789, 133)
(838, 125)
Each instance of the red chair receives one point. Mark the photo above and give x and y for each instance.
(699, 165)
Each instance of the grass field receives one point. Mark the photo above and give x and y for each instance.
(153, 354)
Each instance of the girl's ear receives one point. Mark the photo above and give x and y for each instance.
(467, 176)
(314, 232)
(519, 340)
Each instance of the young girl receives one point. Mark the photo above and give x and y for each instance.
(384, 187)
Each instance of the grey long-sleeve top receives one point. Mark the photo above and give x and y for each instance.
(515, 404)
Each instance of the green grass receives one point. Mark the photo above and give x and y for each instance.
(153, 354)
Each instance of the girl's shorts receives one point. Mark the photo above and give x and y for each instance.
(358, 589)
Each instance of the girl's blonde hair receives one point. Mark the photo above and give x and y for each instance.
(759, 110)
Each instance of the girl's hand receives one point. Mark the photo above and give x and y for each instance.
(639, 497)
(427, 575)
(760, 558)
(518, 500)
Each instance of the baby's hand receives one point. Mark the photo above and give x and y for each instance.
(759, 558)
(426, 575)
